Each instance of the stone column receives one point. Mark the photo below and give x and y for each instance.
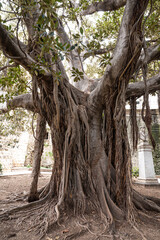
(146, 166)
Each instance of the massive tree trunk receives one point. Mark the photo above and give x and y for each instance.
(92, 162)
(89, 133)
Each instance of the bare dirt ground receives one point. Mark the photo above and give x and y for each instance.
(13, 190)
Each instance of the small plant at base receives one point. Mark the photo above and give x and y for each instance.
(135, 172)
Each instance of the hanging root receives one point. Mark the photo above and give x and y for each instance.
(75, 153)
(133, 119)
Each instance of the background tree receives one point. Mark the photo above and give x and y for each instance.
(92, 162)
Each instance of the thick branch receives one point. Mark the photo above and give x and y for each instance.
(138, 89)
(23, 101)
(96, 52)
(75, 58)
(126, 53)
(106, 5)
(153, 53)
(11, 50)
(30, 16)
(129, 41)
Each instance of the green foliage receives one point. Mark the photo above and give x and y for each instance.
(49, 154)
(135, 172)
(153, 22)
(76, 74)
(91, 71)
(107, 26)
(13, 82)
(14, 122)
(105, 60)
(89, 33)
(29, 166)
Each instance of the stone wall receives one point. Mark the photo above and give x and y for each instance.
(13, 150)
(18, 151)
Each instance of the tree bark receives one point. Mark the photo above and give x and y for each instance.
(106, 5)
(92, 160)
(38, 150)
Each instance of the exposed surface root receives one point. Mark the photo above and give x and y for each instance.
(76, 235)
(156, 200)
(35, 217)
(147, 203)
(139, 232)
(145, 217)
(33, 197)
(37, 221)
(25, 208)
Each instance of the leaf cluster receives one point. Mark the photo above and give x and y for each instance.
(76, 74)
(13, 83)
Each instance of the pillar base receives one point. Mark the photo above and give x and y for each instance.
(148, 181)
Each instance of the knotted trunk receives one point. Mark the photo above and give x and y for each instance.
(91, 152)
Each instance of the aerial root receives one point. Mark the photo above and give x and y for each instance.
(44, 191)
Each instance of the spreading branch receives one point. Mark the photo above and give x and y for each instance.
(153, 53)
(96, 52)
(75, 58)
(138, 89)
(12, 50)
(22, 101)
(133, 90)
(126, 53)
(106, 5)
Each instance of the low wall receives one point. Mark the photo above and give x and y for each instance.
(18, 151)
